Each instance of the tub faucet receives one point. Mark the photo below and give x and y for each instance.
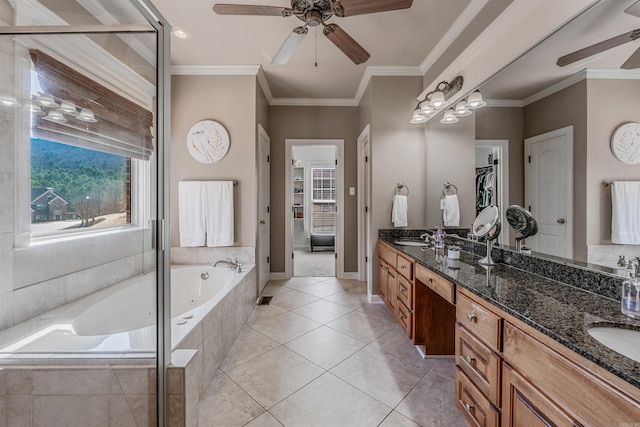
(232, 264)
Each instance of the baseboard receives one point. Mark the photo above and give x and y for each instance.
(351, 275)
(276, 276)
(375, 299)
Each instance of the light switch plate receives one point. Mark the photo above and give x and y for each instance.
(352, 191)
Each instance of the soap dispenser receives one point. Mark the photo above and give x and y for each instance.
(630, 304)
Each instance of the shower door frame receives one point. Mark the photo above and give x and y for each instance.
(162, 116)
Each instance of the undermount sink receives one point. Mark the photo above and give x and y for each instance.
(410, 243)
(622, 340)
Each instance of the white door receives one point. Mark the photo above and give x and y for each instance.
(364, 176)
(264, 236)
(549, 191)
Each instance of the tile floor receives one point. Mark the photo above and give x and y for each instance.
(321, 355)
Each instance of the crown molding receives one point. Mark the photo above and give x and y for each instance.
(215, 70)
(257, 70)
(504, 103)
(582, 75)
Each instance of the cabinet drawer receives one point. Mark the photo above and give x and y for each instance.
(473, 405)
(479, 363)
(405, 267)
(387, 254)
(440, 285)
(405, 319)
(405, 292)
(584, 395)
(478, 320)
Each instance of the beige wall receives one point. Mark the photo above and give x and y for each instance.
(397, 153)
(450, 157)
(231, 101)
(506, 123)
(290, 122)
(611, 103)
(567, 107)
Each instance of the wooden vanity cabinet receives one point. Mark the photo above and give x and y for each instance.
(395, 285)
(478, 362)
(528, 378)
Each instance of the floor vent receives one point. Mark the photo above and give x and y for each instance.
(264, 300)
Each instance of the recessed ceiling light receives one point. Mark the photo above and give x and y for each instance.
(180, 33)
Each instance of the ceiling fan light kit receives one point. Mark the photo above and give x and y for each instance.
(315, 13)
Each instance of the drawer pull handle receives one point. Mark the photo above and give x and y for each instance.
(469, 407)
(402, 267)
(471, 317)
(429, 280)
(402, 291)
(469, 359)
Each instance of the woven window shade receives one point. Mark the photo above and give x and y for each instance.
(122, 127)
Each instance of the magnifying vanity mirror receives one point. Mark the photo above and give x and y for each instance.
(487, 225)
(523, 222)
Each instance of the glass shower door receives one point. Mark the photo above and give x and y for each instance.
(82, 268)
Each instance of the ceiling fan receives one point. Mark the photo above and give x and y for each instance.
(632, 62)
(315, 13)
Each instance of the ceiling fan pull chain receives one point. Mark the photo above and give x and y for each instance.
(316, 47)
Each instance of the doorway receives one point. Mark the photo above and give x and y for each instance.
(492, 183)
(548, 186)
(314, 198)
(264, 222)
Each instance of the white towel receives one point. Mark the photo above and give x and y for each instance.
(625, 212)
(399, 211)
(191, 213)
(219, 213)
(450, 211)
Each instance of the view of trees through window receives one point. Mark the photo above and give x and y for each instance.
(75, 188)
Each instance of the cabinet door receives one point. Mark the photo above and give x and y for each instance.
(392, 290)
(383, 279)
(524, 405)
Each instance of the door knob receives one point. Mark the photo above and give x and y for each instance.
(263, 222)
(561, 221)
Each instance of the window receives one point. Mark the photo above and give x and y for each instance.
(74, 188)
(323, 181)
(85, 140)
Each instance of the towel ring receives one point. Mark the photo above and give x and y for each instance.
(400, 188)
(449, 189)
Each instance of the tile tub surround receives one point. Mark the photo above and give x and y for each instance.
(93, 392)
(199, 355)
(202, 255)
(560, 311)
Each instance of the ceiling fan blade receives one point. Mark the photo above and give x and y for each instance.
(289, 46)
(598, 47)
(360, 7)
(247, 9)
(633, 61)
(634, 9)
(346, 44)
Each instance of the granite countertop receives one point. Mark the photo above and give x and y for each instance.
(560, 311)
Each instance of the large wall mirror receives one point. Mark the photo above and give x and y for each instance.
(557, 123)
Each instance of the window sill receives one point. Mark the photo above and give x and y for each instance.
(77, 235)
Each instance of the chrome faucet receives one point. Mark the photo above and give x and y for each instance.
(427, 237)
(232, 264)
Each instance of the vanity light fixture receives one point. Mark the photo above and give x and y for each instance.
(449, 116)
(55, 116)
(462, 109)
(34, 109)
(86, 115)
(46, 101)
(68, 107)
(437, 99)
(475, 100)
(418, 117)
